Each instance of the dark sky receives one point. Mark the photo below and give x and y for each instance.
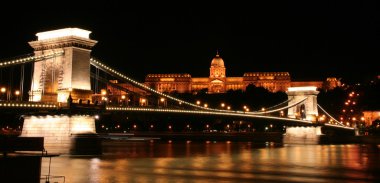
(309, 39)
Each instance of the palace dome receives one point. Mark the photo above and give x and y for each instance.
(217, 61)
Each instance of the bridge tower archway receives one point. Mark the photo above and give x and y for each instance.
(306, 110)
(54, 79)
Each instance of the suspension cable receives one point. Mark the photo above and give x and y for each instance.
(279, 109)
(330, 116)
(271, 107)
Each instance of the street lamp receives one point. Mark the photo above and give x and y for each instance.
(142, 102)
(163, 101)
(17, 93)
(3, 90)
(123, 100)
(222, 105)
(198, 102)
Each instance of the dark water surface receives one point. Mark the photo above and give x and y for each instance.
(222, 161)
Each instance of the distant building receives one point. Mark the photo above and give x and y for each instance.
(218, 82)
(370, 116)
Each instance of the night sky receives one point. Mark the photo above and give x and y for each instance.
(308, 39)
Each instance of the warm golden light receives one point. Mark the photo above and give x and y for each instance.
(3, 90)
(123, 97)
(63, 33)
(198, 102)
(104, 92)
(304, 88)
(222, 104)
(162, 99)
(17, 92)
(228, 107)
(206, 105)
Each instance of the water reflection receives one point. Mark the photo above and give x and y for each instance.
(184, 161)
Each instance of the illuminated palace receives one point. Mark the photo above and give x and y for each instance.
(217, 82)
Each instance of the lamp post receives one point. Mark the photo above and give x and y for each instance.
(17, 93)
(163, 101)
(123, 100)
(3, 90)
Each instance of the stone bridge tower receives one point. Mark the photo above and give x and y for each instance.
(54, 79)
(308, 109)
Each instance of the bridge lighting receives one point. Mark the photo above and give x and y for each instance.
(134, 127)
(3, 89)
(198, 102)
(162, 99)
(123, 97)
(205, 105)
(247, 110)
(263, 109)
(151, 126)
(63, 33)
(228, 107)
(244, 107)
(104, 92)
(222, 104)
(304, 88)
(362, 118)
(96, 117)
(170, 127)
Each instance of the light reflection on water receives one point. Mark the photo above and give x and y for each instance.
(128, 161)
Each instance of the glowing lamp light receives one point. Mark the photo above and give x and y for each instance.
(303, 88)
(63, 33)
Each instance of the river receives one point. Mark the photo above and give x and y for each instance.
(218, 161)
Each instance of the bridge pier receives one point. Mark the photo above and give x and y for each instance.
(303, 135)
(62, 133)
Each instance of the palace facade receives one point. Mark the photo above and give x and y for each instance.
(218, 82)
